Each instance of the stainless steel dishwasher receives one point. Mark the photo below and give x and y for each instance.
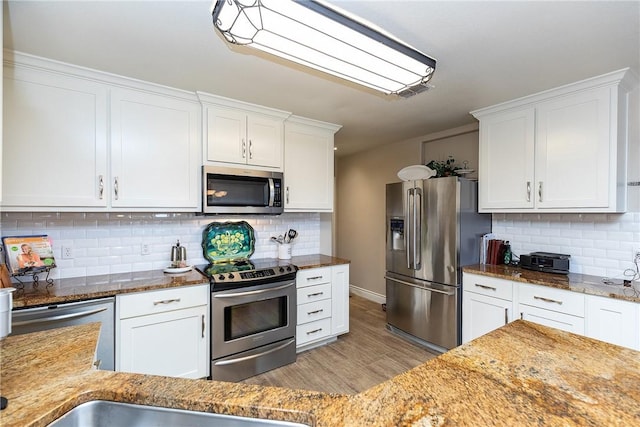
(70, 314)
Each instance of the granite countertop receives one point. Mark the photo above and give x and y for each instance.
(93, 287)
(520, 374)
(304, 262)
(592, 285)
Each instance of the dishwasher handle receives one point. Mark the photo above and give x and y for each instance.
(59, 317)
(426, 288)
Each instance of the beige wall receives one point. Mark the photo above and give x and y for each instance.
(460, 143)
(360, 219)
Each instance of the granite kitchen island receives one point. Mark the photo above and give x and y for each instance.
(520, 374)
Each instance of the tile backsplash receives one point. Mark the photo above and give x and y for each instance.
(106, 243)
(599, 244)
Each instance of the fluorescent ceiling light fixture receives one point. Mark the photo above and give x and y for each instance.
(312, 34)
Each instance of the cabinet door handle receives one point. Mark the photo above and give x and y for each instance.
(540, 191)
(115, 187)
(287, 194)
(250, 151)
(547, 300)
(506, 315)
(314, 331)
(314, 312)
(203, 326)
(101, 186)
(521, 316)
(314, 277)
(315, 294)
(528, 191)
(486, 287)
(244, 149)
(166, 301)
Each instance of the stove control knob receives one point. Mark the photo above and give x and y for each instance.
(231, 276)
(288, 268)
(281, 269)
(221, 277)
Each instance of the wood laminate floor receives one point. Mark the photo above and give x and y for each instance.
(366, 356)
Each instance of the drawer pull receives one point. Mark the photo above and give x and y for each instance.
(314, 312)
(547, 300)
(314, 294)
(166, 301)
(314, 331)
(486, 287)
(314, 278)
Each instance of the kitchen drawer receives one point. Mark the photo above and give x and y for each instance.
(552, 319)
(314, 293)
(313, 276)
(553, 299)
(313, 331)
(144, 303)
(488, 286)
(314, 311)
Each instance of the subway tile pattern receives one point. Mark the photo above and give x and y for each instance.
(599, 244)
(107, 243)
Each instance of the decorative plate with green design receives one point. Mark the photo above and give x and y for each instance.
(228, 241)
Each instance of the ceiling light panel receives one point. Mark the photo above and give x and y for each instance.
(312, 34)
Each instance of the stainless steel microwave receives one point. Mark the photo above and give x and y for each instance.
(241, 191)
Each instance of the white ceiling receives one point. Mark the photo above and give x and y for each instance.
(487, 52)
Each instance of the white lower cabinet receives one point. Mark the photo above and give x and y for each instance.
(487, 304)
(164, 332)
(552, 319)
(552, 307)
(613, 321)
(340, 299)
(323, 305)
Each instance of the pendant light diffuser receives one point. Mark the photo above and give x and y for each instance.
(314, 35)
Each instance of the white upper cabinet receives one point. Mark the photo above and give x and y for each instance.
(78, 139)
(54, 139)
(237, 133)
(155, 150)
(512, 146)
(561, 150)
(309, 165)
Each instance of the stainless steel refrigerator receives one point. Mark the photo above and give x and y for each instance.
(433, 229)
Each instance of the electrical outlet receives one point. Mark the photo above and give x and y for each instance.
(145, 249)
(67, 252)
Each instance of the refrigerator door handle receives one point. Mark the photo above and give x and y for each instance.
(417, 229)
(409, 228)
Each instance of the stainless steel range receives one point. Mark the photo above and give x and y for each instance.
(253, 317)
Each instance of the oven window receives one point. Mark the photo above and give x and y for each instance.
(254, 317)
(237, 191)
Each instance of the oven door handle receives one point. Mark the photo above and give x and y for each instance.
(256, 292)
(253, 356)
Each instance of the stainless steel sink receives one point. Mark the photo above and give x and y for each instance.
(102, 413)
